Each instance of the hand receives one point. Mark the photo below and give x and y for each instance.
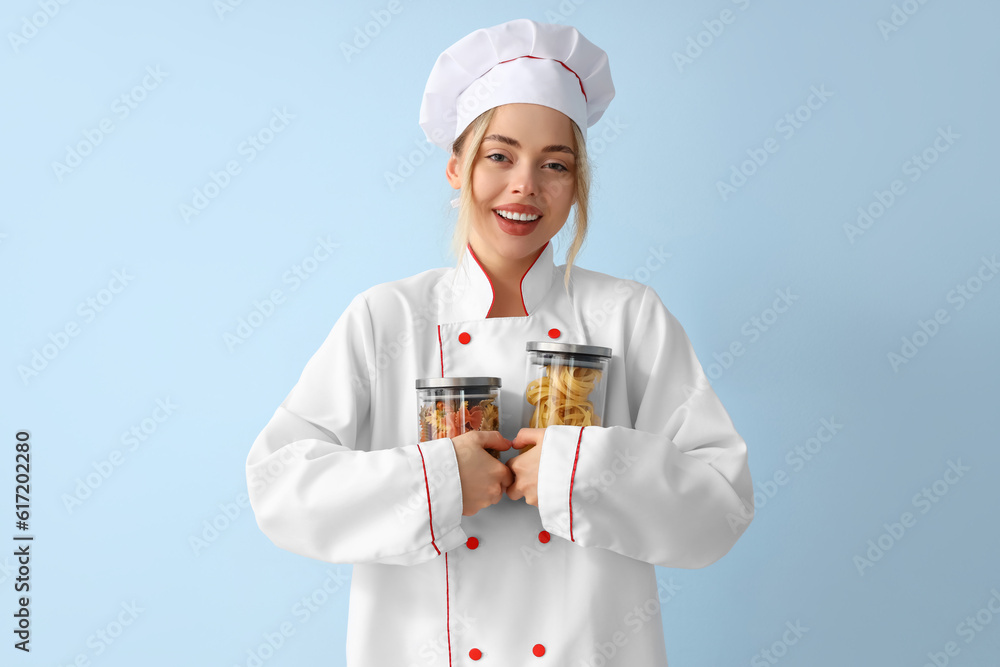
(484, 478)
(525, 465)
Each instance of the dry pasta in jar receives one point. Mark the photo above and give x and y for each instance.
(448, 407)
(565, 385)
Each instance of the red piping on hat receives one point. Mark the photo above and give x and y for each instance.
(558, 61)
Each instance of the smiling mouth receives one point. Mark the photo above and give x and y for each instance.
(516, 217)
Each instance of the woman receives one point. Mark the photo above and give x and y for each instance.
(449, 564)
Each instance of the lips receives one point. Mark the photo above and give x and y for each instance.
(519, 208)
(515, 228)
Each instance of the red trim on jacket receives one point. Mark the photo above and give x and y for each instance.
(571, 479)
(447, 597)
(447, 588)
(441, 348)
(520, 285)
(493, 292)
(428, 487)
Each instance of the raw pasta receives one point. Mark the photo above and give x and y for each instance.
(560, 397)
(449, 418)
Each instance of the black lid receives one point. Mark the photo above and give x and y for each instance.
(458, 383)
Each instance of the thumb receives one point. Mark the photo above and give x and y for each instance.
(494, 440)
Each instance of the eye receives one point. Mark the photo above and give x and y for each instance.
(559, 167)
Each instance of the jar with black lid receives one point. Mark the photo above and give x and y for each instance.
(448, 407)
(566, 385)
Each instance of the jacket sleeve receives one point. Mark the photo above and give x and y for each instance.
(317, 487)
(674, 491)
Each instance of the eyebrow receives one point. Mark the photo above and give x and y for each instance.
(554, 148)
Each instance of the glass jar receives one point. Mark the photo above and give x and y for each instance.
(566, 385)
(448, 407)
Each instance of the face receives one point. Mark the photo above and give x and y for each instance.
(525, 165)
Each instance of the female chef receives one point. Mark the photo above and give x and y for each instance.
(542, 557)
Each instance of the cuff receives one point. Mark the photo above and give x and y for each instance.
(444, 486)
(557, 467)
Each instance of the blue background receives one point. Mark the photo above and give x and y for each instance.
(675, 130)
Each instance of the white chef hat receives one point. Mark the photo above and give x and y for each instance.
(517, 61)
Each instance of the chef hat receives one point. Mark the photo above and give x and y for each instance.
(517, 61)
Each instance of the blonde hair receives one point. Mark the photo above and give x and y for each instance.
(473, 136)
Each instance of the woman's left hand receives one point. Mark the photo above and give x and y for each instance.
(525, 465)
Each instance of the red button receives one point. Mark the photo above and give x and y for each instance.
(464, 338)
(472, 542)
(554, 333)
(538, 650)
(475, 654)
(543, 536)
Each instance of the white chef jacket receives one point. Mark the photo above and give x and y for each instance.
(338, 475)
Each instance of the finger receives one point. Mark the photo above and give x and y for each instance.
(496, 441)
(528, 436)
(514, 493)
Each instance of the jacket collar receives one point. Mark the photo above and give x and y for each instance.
(473, 289)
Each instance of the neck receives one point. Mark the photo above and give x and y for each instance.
(505, 274)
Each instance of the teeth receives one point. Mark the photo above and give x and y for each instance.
(520, 217)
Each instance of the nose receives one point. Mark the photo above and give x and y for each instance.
(524, 179)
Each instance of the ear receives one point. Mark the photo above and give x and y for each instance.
(451, 171)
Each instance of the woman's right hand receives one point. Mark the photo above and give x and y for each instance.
(484, 478)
